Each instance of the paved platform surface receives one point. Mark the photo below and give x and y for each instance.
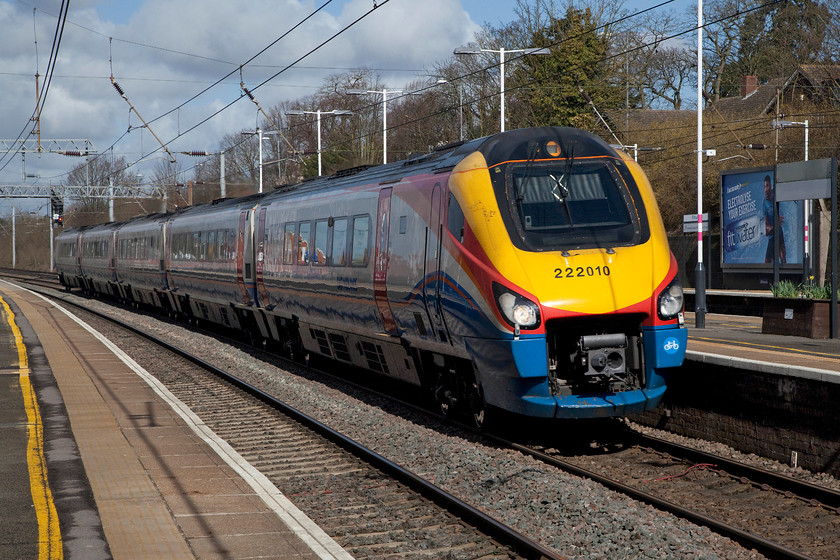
(146, 481)
(737, 340)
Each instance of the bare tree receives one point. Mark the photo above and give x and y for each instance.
(98, 171)
(668, 70)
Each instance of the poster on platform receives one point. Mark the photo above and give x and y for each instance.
(748, 225)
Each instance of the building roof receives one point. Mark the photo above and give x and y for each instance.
(758, 102)
(817, 81)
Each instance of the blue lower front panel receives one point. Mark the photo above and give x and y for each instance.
(514, 377)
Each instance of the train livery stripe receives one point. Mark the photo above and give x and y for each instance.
(50, 546)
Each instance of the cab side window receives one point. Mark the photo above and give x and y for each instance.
(455, 221)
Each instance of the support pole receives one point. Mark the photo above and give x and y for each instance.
(502, 81)
(833, 311)
(700, 273)
(222, 186)
(110, 200)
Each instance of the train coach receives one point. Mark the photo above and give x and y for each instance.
(527, 271)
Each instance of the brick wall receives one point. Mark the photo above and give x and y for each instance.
(763, 413)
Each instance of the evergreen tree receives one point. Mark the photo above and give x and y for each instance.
(774, 40)
(551, 86)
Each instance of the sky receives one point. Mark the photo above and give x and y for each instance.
(163, 53)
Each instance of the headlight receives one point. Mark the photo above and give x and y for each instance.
(516, 309)
(671, 300)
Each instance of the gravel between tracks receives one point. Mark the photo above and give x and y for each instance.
(577, 517)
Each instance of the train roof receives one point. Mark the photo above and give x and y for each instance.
(521, 144)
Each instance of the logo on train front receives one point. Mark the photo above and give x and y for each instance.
(671, 345)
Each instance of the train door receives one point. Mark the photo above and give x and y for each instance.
(243, 263)
(380, 260)
(431, 272)
(112, 258)
(77, 242)
(164, 258)
(260, 264)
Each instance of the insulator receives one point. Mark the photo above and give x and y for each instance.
(196, 154)
(75, 153)
(118, 88)
(248, 93)
(756, 146)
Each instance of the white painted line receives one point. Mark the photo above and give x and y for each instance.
(297, 521)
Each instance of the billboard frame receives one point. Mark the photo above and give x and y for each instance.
(754, 268)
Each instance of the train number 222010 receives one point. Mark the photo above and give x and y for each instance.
(581, 272)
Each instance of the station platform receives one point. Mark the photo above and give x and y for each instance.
(99, 462)
(737, 341)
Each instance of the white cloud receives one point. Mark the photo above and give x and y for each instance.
(400, 35)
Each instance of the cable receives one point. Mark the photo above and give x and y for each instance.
(230, 104)
(311, 51)
(48, 79)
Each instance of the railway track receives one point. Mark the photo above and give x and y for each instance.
(801, 520)
(371, 506)
(32, 278)
(781, 517)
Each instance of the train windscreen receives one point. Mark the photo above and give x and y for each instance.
(572, 204)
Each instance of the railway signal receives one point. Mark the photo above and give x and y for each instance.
(57, 209)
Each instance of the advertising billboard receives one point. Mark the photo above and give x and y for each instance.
(748, 225)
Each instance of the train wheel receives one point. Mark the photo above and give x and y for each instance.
(481, 413)
(297, 353)
(446, 401)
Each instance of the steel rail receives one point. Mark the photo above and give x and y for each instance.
(816, 495)
(494, 528)
(766, 547)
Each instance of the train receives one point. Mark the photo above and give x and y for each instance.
(527, 272)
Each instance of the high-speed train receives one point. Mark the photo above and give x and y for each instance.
(528, 271)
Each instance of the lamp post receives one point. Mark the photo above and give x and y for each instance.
(460, 105)
(700, 273)
(261, 134)
(384, 93)
(806, 210)
(501, 52)
(318, 113)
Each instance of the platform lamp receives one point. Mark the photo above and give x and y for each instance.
(318, 113)
(501, 52)
(384, 93)
(460, 89)
(261, 134)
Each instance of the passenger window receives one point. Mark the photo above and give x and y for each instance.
(303, 243)
(196, 249)
(339, 242)
(211, 246)
(231, 241)
(289, 244)
(361, 240)
(321, 230)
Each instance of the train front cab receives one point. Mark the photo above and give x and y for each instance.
(580, 309)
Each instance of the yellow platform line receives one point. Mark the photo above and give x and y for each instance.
(50, 546)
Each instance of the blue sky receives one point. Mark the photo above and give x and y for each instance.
(163, 52)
